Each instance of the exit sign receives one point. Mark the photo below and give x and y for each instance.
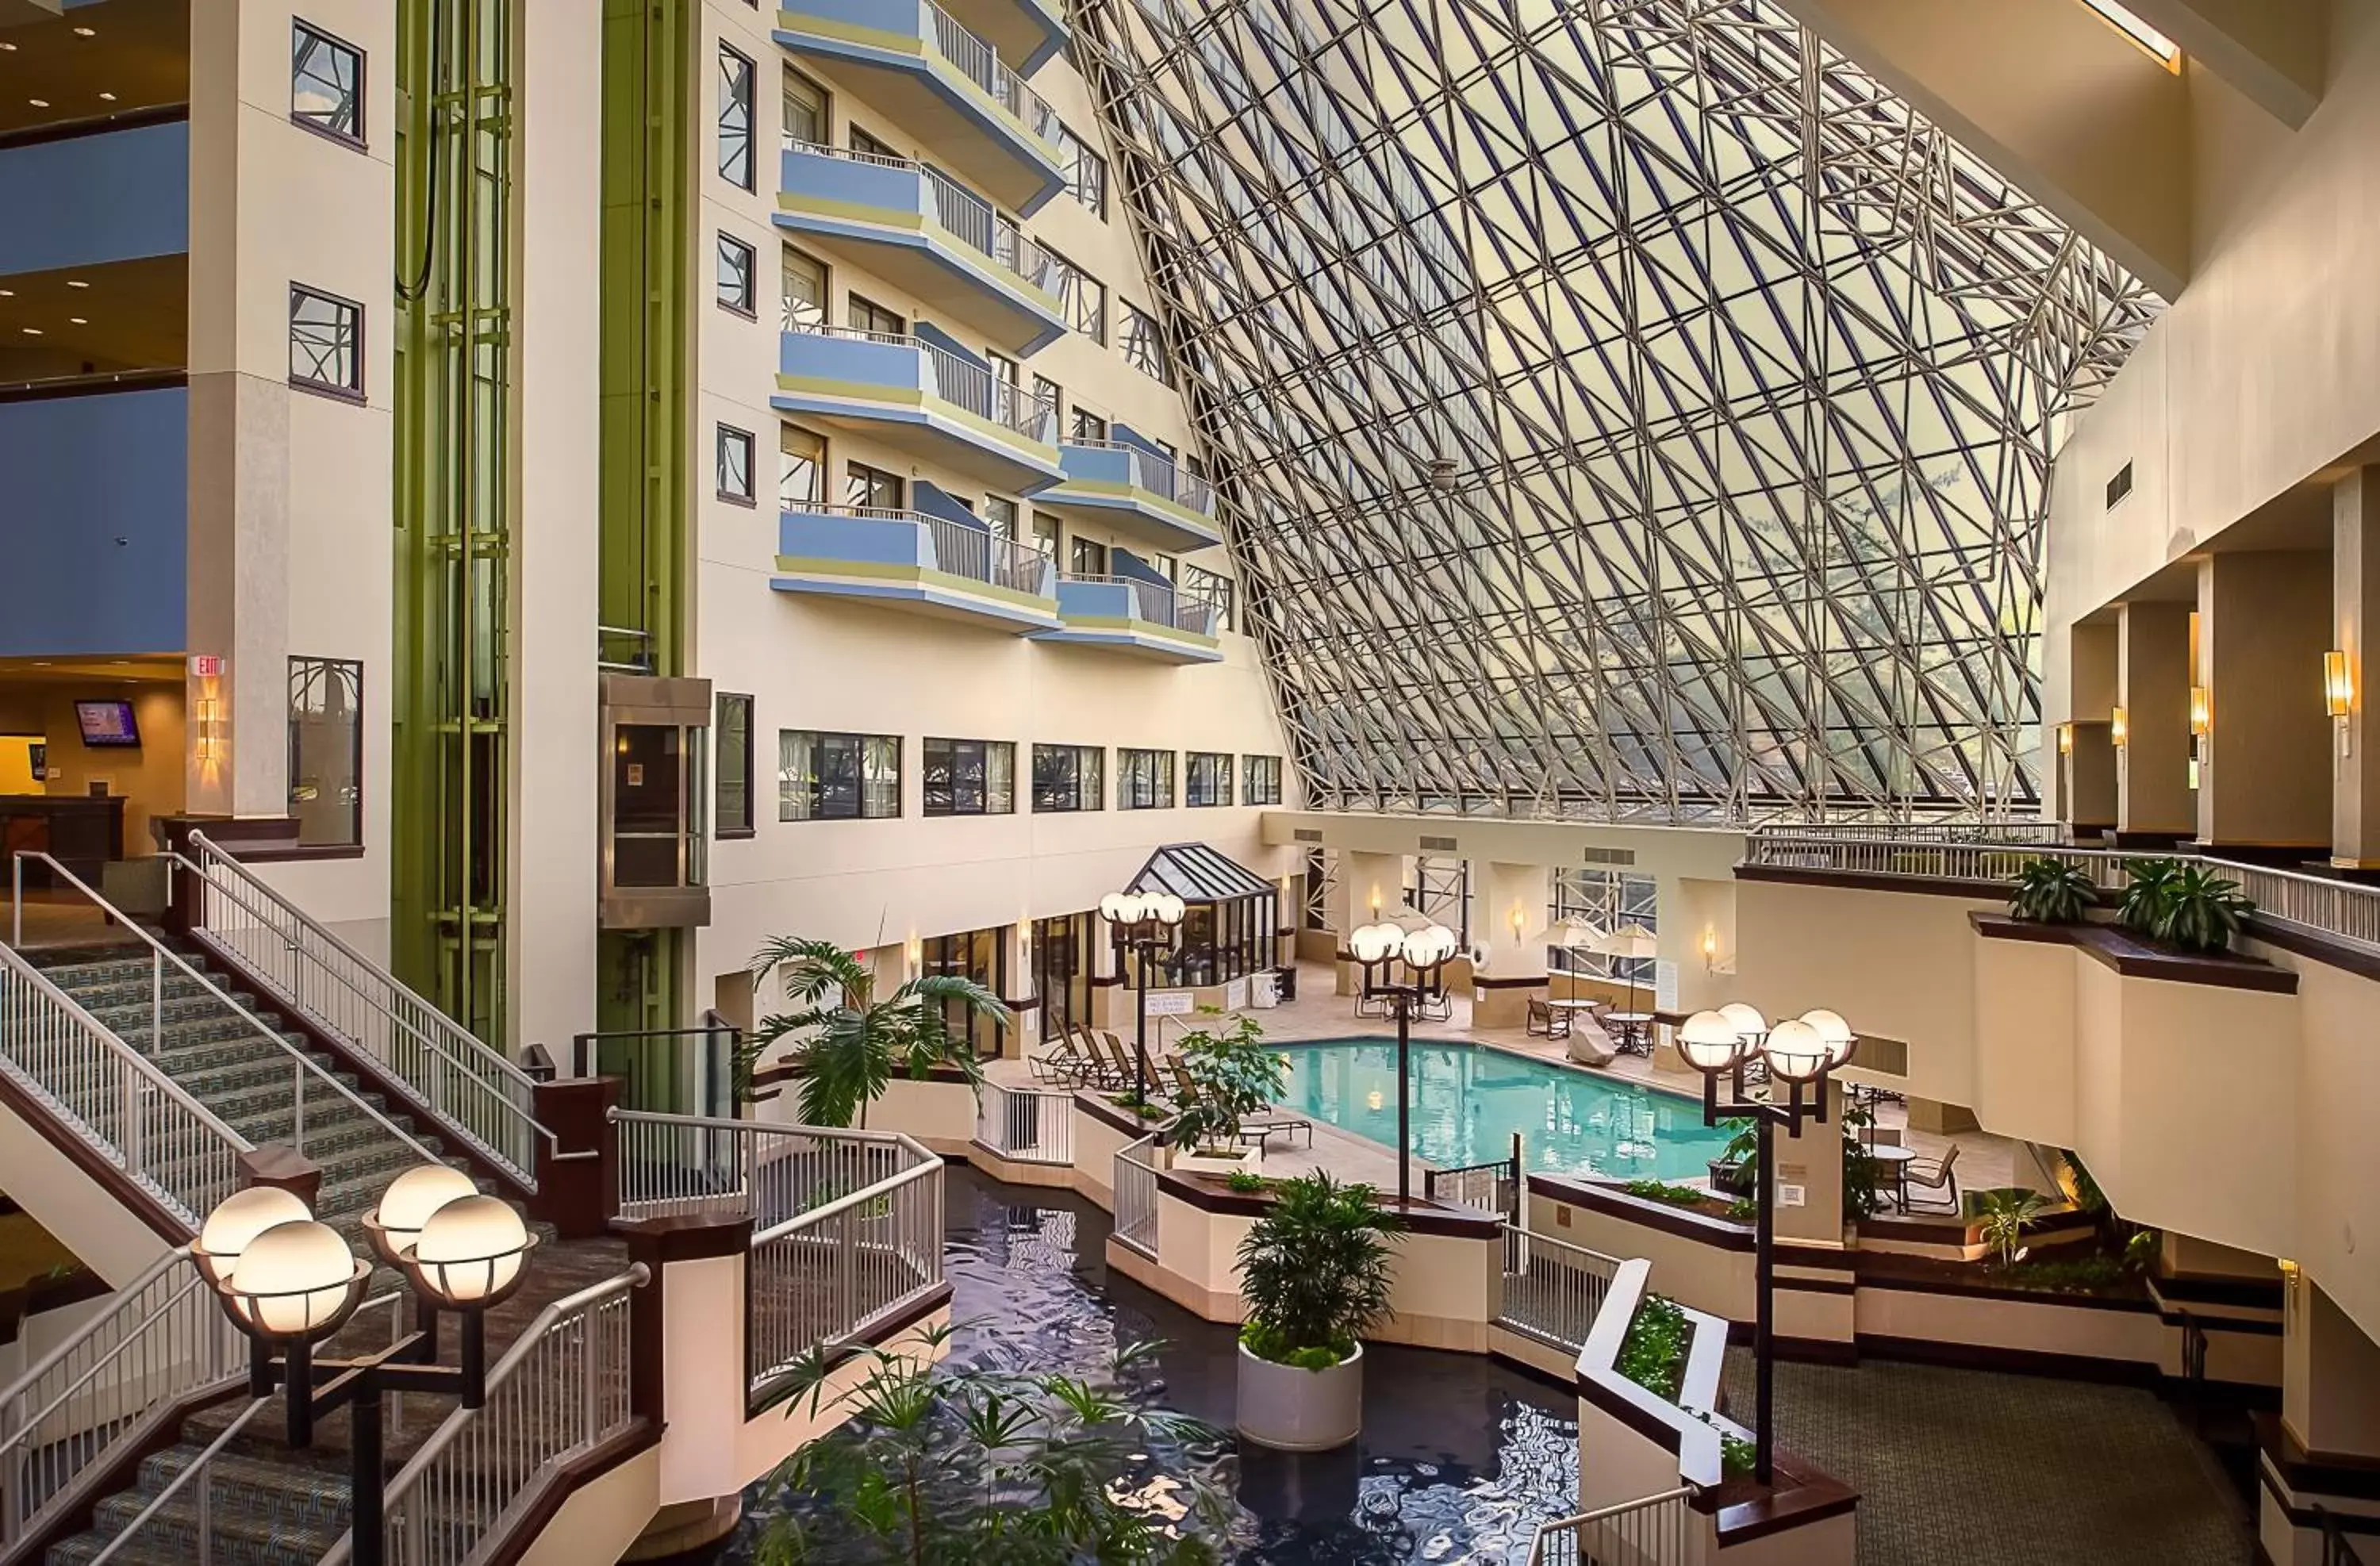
(206, 665)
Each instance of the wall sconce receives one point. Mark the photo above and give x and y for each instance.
(1710, 948)
(2066, 739)
(209, 740)
(2337, 693)
(1375, 900)
(2200, 711)
(2116, 728)
(1520, 923)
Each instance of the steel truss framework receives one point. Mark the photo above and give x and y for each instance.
(1739, 380)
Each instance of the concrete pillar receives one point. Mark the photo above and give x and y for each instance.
(2086, 755)
(1510, 904)
(2355, 603)
(2263, 764)
(2153, 794)
(2328, 1437)
(1368, 887)
(1702, 913)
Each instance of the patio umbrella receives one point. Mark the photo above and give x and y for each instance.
(1629, 941)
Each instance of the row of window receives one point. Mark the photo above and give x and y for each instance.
(826, 776)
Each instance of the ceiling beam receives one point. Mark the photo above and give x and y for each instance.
(2273, 52)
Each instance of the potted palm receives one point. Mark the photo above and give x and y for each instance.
(2052, 892)
(853, 1041)
(1233, 1074)
(1314, 1273)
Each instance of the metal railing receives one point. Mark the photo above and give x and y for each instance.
(1493, 1186)
(201, 1474)
(673, 1164)
(560, 1391)
(1155, 602)
(1553, 1289)
(127, 1109)
(980, 64)
(1027, 1124)
(1147, 471)
(959, 382)
(1135, 1195)
(314, 1092)
(967, 216)
(463, 1083)
(1660, 1530)
(829, 1277)
(2048, 834)
(2343, 911)
(984, 556)
(161, 1341)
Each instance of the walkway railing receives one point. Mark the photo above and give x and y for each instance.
(2337, 910)
(560, 1391)
(959, 382)
(466, 1085)
(1659, 1530)
(1147, 471)
(313, 1089)
(967, 216)
(982, 556)
(1155, 602)
(198, 1480)
(1494, 1187)
(1135, 1195)
(1553, 1289)
(1027, 1124)
(978, 62)
(670, 1165)
(133, 1114)
(2048, 834)
(162, 1341)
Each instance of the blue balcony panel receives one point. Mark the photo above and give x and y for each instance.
(86, 200)
(1029, 32)
(936, 79)
(929, 404)
(917, 564)
(1137, 492)
(96, 529)
(1130, 617)
(919, 234)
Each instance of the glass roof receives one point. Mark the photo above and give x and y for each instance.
(1197, 873)
(1626, 408)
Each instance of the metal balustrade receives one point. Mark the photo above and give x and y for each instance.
(199, 1478)
(960, 383)
(1145, 469)
(560, 1391)
(967, 216)
(1155, 602)
(2042, 833)
(1135, 1195)
(1027, 1124)
(116, 1100)
(1553, 1289)
(2346, 912)
(669, 1165)
(983, 557)
(466, 1086)
(980, 64)
(1660, 1530)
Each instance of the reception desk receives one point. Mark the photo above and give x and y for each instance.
(81, 834)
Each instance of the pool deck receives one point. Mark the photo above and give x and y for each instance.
(1985, 1160)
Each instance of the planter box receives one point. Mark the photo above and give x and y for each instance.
(1294, 1410)
(1221, 1164)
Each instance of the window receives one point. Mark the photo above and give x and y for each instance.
(734, 463)
(801, 292)
(806, 112)
(1046, 529)
(1212, 592)
(801, 468)
(1089, 558)
(1000, 515)
(867, 146)
(326, 751)
(970, 777)
(1144, 779)
(732, 738)
(1047, 391)
(1003, 368)
(1082, 298)
(1086, 172)
(980, 955)
(823, 777)
(1210, 777)
(326, 84)
(735, 118)
(1066, 777)
(866, 315)
(871, 487)
(1088, 427)
(1164, 565)
(1143, 343)
(735, 265)
(1262, 785)
(326, 341)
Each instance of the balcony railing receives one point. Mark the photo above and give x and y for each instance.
(1659, 1530)
(1026, 1125)
(1553, 1289)
(955, 381)
(980, 64)
(963, 214)
(1135, 1195)
(1151, 472)
(959, 549)
(1156, 603)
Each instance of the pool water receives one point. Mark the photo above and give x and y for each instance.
(1468, 1101)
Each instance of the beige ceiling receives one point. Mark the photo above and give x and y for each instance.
(84, 670)
(133, 315)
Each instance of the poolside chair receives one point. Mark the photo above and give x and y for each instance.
(1065, 1062)
(1540, 1018)
(1435, 1004)
(1933, 1174)
(1262, 1126)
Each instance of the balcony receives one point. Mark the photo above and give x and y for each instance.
(942, 82)
(1030, 32)
(909, 561)
(1134, 487)
(922, 399)
(926, 233)
(1147, 619)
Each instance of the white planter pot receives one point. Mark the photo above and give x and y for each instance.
(1294, 1410)
(1249, 1161)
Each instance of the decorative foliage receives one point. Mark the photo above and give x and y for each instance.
(2052, 892)
(975, 1467)
(853, 1042)
(1862, 1171)
(1653, 1355)
(1236, 1075)
(1662, 1191)
(2005, 1216)
(1314, 1271)
(2142, 911)
(2203, 910)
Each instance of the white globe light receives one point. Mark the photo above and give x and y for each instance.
(1373, 943)
(1834, 1032)
(412, 1196)
(1432, 945)
(1111, 907)
(294, 1281)
(1745, 1019)
(1795, 1050)
(1709, 1042)
(237, 1220)
(1162, 906)
(471, 1251)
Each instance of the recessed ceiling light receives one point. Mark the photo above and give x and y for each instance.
(76, 283)
(86, 32)
(107, 97)
(39, 102)
(78, 321)
(31, 331)
(41, 662)
(7, 292)
(120, 662)
(7, 48)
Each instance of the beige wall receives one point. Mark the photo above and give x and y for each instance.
(151, 779)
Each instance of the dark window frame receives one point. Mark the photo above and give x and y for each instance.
(351, 390)
(304, 673)
(356, 141)
(853, 750)
(748, 305)
(1217, 792)
(723, 826)
(727, 99)
(1252, 768)
(1154, 792)
(1071, 788)
(728, 435)
(955, 789)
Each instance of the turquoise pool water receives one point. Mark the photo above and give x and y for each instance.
(1467, 1101)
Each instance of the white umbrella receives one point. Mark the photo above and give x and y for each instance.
(1629, 941)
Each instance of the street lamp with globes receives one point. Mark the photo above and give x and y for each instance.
(1142, 922)
(1802, 1053)
(1425, 951)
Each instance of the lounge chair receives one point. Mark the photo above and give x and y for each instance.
(1260, 1126)
(1934, 1174)
(1540, 1018)
(1065, 1063)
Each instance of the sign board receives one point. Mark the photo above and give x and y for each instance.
(1790, 1196)
(1665, 986)
(206, 665)
(1171, 1003)
(1235, 995)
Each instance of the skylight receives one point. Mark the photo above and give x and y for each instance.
(2167, 51)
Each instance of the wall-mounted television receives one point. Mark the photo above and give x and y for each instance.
(107, 725)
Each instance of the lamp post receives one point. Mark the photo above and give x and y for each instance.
(1141, 922)
(1425, 951)
(290, 1283)
(1802, 1053)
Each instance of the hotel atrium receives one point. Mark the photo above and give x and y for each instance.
(1547, 783)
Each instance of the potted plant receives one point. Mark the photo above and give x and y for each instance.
(2004, 1218)
(2052, 892)
(1233, 1074)
(2203, 910)
(855, 1042)
(2141, 909)
(1313, 1272)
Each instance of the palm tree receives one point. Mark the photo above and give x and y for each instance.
(859, 1041)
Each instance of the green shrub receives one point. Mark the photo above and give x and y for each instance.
(1662, 1191)
(1313, 1269)
(1236, 1075)
(2052, 892)
(2005, 1216)
(2146, 894)
(1653, 1355)
(2203, 910)
(1244, 1180)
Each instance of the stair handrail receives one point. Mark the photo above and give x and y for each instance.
(606, 1409)
(221, 1176)
(500, 1081)
(304, 1061)
(206, 1522)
